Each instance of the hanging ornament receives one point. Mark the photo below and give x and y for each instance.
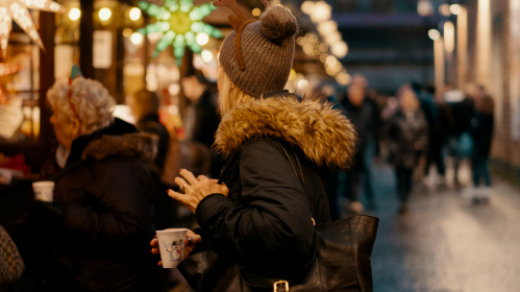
(17, 10)
(181, 25)
(6, 69)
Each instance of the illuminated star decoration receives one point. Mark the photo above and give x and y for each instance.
(6, 69)
(17, 10)
(179, 22)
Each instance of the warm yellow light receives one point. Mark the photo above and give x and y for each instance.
(320, 12)
(339, 49)
(127, 32)
(444, 9)
(434, 34)
(292, 75)
(455, 9)
(256, 12)
(105, 13)
(174, 89)
(74, 14)
(207, 56)
(307, 7)
(333, 37)
(202, 38)
(344, 78)
(302, 84)
(424, 8)
(331, 60)
(449, 36)
(323, 47)
(323, 57)
(135, 14)
(136, 38)
(327, 27)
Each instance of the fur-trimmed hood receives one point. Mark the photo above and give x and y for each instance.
(141, 145)
(325, 135)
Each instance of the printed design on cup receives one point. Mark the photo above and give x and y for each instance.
(174, 249)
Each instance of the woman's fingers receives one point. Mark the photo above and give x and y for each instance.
(189, 176)
(154, 242)
(178, 196)
(184, 199)
(203, 178)
(182, 183)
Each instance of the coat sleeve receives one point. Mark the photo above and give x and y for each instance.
(272, 221)
(116, 210)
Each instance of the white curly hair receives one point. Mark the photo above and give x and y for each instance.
(91, 99)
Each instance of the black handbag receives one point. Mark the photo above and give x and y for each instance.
(341, 263)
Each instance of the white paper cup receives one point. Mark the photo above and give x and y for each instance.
(43, 190)
(171, 246)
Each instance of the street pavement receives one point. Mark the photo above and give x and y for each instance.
(445, 243)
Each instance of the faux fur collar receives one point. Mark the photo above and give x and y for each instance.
(141, 145)
(325, 135)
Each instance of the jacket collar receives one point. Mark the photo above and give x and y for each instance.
(120, 138)
(325, 135)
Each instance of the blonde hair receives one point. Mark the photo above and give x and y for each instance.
(230, 96)
(91, 100)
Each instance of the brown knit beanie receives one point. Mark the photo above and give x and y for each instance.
(267, 52)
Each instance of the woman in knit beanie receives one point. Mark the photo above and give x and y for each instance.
(260, 215)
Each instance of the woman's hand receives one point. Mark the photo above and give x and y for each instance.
(196, 189)
(191, 241)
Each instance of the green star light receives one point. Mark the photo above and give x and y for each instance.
(179, 22)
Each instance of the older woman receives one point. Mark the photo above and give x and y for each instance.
(100, 222)
(262, 216)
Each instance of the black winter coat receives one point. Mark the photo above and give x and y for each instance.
(265, 224)
(408, 138)
(99, 226)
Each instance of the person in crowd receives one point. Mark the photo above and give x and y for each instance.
(408, 135)
(96, 231)
(262, 214)
(331, 178)
(438, 137)
(201, 116)
(481, 131)
(462, 109)
(362, 114)
(144, 106)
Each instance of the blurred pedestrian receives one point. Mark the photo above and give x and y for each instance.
(361, 112)
(408, 141)
(438, 137)
(462, 110)
(201, 118)
(481, 130)
(97, 228)
(262, 216)
(144, 106)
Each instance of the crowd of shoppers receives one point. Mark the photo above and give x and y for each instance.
(112, 177)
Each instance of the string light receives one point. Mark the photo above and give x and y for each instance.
(256, 12)
(202, 38)
(434, 34)
(135, 14)
(455, 9)
(105, 13)
(74, 14)
(207, 56)
(136, 38)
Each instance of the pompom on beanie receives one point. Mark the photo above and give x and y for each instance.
(267, 50)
